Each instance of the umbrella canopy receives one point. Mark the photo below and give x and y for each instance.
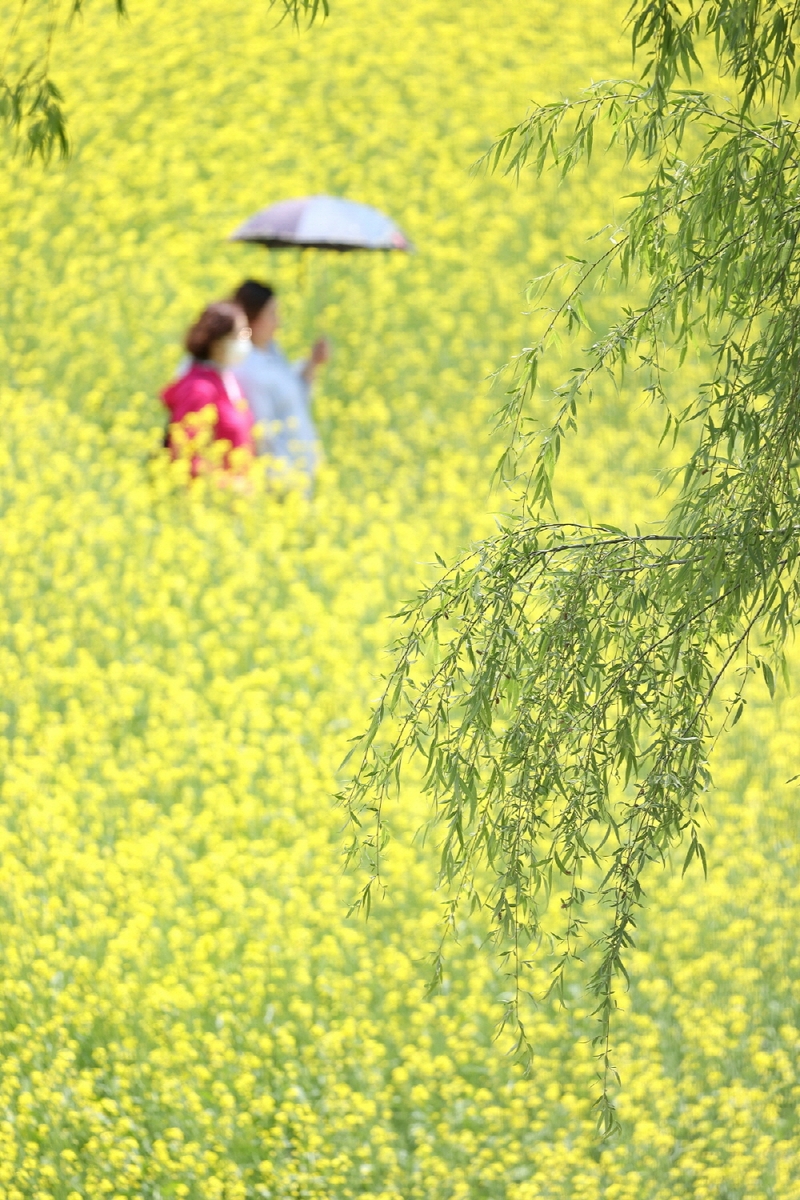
(324, 222)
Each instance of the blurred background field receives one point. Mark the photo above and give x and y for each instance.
(186, 1009)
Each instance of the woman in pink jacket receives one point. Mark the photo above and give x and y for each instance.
(218, 341)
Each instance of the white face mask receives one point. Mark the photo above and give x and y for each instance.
(237, 350)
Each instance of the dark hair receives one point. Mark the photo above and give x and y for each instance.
(215, 322)
(251, 296)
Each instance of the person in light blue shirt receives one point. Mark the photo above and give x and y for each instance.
(279, 392)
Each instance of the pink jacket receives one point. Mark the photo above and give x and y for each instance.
(199, 387)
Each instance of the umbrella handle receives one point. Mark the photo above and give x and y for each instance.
(307, 283)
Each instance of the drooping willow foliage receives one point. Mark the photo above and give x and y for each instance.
(32, 111)
(561, 683)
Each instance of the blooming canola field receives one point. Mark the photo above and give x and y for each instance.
(186, 1008)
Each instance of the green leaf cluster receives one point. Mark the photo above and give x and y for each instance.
(565, 684)
(31, 104)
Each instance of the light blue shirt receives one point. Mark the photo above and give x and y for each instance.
(280, 400)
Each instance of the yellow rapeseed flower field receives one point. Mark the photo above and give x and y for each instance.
(187, 1010)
